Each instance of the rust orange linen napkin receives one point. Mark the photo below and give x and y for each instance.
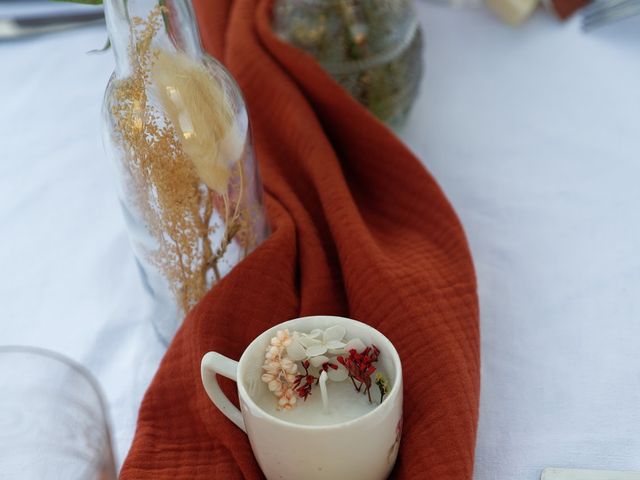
(360, 229)
(565, 8)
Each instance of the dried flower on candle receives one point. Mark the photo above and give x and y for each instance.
(360, 367)
(316, 352)
(305, 382)
(281, 340)
(382, 384)
(280, 371)
(316, 343)
(287, 400)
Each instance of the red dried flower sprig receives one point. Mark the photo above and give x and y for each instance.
(360, 367)
(305, 382)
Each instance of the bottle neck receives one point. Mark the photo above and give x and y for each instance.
(128, 22)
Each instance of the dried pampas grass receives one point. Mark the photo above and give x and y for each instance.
(202, 116)
(182, 143)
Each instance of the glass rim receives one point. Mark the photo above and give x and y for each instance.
(71, 364)
(94, 385)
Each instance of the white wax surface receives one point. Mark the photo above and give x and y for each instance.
(344, 404)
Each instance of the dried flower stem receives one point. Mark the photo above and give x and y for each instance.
(232, 225)
(360, 367)
(180, 170)
(357, 387)
(206, 244)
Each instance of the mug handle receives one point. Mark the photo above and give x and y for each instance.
(213, 363)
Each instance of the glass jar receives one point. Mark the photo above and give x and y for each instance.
(373, 48)
(176, 127)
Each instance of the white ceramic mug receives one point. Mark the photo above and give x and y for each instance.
(363, 448)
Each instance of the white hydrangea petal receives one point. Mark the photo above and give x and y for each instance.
(338, 375)
(337, 351)
(337, 332)
(308, 341)
(318, 361)
(315, 333)
(334, 344)
(355, 343)
(315, 350)
(296, 352)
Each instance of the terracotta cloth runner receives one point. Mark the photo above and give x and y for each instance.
(360, 229)
(565, 8)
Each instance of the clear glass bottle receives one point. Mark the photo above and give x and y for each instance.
(373, 48)
(177, 129)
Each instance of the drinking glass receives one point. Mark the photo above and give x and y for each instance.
(53, 421)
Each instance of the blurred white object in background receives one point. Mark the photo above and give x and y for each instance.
(20, 26)
(513, 12)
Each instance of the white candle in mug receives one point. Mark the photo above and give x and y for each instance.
(363, 447)
(318, 377)
(345, 404)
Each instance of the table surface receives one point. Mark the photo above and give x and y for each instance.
(534, 135)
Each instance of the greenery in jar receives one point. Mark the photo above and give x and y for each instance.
(372, 48)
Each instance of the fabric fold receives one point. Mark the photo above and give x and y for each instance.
(360, 229)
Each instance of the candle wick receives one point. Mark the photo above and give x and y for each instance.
(323, 392)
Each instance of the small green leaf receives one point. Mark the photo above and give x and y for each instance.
(106, 47)
(165, 17)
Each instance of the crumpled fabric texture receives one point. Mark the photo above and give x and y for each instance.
(359, 229)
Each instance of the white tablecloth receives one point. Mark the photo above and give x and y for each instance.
(534, 133)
